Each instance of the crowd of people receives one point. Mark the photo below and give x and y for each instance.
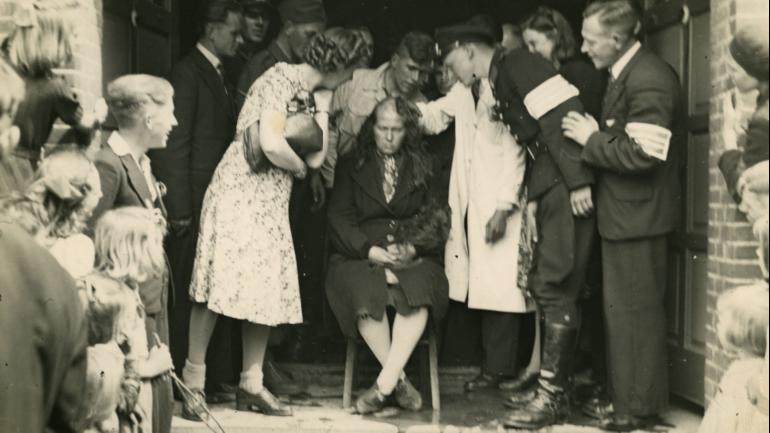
(549, 190)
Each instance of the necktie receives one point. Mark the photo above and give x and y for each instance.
(221, 72)
(389, 176)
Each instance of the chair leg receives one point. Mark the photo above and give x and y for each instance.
(433, 359)
(350, 363)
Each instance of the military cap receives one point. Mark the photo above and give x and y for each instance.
(302, 11)
(257, 8)
(451, 37)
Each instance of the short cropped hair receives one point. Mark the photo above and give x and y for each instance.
(216, 11)
(419, 47)
(129, 244)
(12, 90)
(742, 315)
(623, 16)
(556, 28)
(130, 96)
(336, 49)
(45, 43)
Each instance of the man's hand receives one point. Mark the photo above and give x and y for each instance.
(180, 226)
(496, 225)
(755, 178)
(578, 127)
(581, 201)
(318, 190)
(380, 256)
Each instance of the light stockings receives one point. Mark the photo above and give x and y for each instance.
(255, 338)
(393, 354)
(202, 322)
(534, 360)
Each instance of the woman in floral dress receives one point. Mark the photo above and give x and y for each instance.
(245, 267)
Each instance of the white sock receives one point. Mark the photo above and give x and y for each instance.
(194, 375)
(251, 380)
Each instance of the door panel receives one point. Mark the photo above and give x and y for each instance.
(678, 31)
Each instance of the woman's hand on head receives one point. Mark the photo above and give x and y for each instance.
(380, 256)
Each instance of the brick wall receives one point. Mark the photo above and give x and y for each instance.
(85, 75)
(732, 257)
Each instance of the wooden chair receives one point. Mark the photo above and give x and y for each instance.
(428, 341)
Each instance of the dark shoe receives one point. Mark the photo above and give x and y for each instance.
(521, 398)
(547, 408)
(194, 406)
(278, 382)
(407, 396)
(370, 401)
(483, 381)
(222, 393)
(623, 423)
(598, 407)
(523, 381)
(263, 402)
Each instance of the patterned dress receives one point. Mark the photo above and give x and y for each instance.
(245, 266)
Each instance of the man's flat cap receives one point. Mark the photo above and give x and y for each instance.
(302, 11)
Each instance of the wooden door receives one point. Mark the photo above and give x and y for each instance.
(678, 30)
(139, 36)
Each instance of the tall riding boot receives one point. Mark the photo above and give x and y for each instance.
(550, 404)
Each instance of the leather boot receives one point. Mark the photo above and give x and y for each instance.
(550, 404)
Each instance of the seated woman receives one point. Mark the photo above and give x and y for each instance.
(384, 184)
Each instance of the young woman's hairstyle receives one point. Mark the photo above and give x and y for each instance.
(556, 28)
(62, 187)
(336, 49)
(129, 244)
(109, 304)
(131, 97)
(413, 146)
(742, 319)
(28, 214)
(12, 90)
(41, 41)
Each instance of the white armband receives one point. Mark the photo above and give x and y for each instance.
(653, 139)
(549, 95)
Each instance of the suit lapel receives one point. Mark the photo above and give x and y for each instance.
(213, 81)
(367, 177)
(618, 87)
(137, 181)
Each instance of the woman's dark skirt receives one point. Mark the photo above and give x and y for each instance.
(357, 288)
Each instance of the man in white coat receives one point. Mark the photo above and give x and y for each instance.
(482, 255)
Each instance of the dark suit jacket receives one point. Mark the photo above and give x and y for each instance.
(43, 340)
(124, 185)
(557, 159)
(260, 62)
(206, 127)
(638, 196)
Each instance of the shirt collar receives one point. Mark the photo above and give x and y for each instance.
(621, 63)
(214, 60)
(119, 145)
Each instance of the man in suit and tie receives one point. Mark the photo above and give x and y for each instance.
(635, 148)
(206, 115)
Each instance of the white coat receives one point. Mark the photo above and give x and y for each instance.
(487, 172)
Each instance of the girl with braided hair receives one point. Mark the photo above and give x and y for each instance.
(245, 265)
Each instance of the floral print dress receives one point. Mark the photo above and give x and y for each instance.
(245, 266)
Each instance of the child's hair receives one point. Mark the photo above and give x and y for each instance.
(26, 213)
(66, 185)
(41, 40)
(742, 315)
(129, 244)
(12, 90)
(108, 304)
